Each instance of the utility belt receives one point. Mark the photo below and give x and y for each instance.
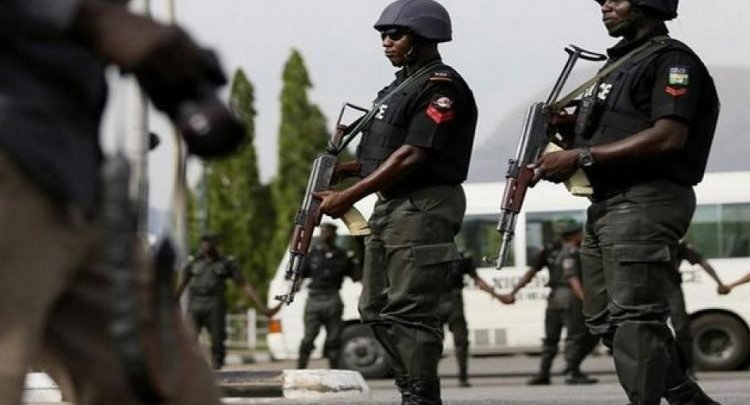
(321, 293)
(603, 192)
(203, 291)
(401, 191)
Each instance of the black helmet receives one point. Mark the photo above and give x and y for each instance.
(426, 18)
(569, 226)
(666, 9)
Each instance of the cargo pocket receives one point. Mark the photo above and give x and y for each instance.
(433, 263)
(640, 272)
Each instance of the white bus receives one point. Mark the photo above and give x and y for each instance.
(720, 230)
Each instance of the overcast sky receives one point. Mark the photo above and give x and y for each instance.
(506, 51)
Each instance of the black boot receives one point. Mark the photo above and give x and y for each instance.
(688, 393)
(402, 383)
(302, 360)
(424, 391)
(575, 376)
(462, 356)
(545, 364)
(333, 359)
(539, 379)
(217, 361)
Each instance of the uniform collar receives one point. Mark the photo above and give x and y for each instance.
(401, 73)
(625, 46)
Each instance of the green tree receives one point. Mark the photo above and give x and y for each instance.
(302, 136)
(238, 207)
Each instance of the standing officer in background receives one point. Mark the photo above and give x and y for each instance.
(326, 265)
(677, 312)
(414, 154)
(643, 140)
(451, 310)
(206, 274)
(564, 306)
(55, 294)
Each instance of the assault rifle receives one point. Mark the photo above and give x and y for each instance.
(539, 135)
(308, 216)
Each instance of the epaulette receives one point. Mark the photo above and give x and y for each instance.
(441, 76)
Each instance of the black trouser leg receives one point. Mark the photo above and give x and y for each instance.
(462, 357)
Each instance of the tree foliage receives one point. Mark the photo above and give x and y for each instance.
(302, 136)
(238, 207)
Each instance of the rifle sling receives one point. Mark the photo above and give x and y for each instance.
(406, 84)
(651, 45)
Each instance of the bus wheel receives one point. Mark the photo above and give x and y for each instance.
(361, 352)
(720, 342)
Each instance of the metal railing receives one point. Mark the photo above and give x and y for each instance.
(243, 330)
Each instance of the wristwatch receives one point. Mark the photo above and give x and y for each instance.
(585, 159)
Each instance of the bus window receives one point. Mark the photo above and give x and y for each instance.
(721, 230)
(540, 229)
(479, 236)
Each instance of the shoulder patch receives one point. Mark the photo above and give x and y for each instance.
(440, 109)
(441, 76)
(678, 80)
(568, 264)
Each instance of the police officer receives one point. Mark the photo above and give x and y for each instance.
(206, 275)
(677, 313)
(326, 265)
(643, 145)
(451, 310)
(414, 154)
(564, 306)
(55, 298)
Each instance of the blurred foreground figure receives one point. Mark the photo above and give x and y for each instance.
(56, 288)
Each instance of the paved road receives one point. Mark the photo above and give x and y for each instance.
(501, 380)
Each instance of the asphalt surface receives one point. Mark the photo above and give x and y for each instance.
(502, 381)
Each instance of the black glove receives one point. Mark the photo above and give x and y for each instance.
(180, 77)
(188, 95)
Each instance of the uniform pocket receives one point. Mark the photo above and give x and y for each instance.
(631, 253)
(641, 281)
(432, 265)
(427, 255)
(635, 263)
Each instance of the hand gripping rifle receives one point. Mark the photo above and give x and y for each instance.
(308, 216)
(537, 137)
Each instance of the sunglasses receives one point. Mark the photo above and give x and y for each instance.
(394, 34)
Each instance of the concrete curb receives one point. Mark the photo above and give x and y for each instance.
(294, 384)
(39, 387)
(238, 384)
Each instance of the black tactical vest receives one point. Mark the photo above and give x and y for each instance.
(327, 268)
(554, 256)
(209, 277)
(387, 132)
(617, 117)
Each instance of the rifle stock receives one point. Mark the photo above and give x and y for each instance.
(578, 184)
